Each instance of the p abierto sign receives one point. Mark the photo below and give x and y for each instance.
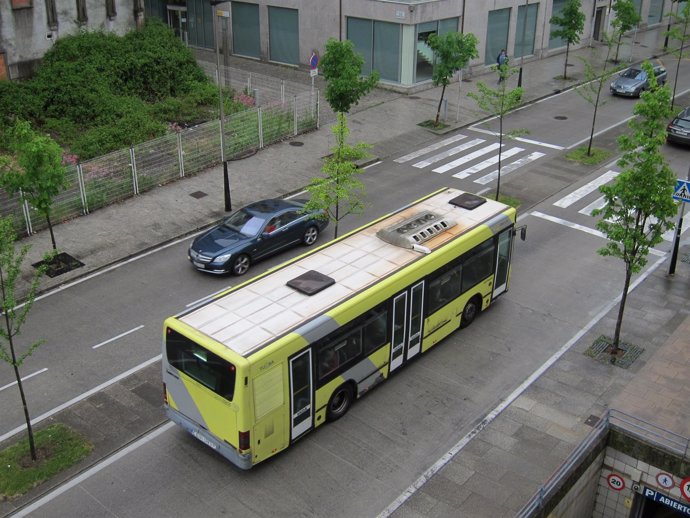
(616, 482)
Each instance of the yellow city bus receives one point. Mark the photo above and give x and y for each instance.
(252, 370)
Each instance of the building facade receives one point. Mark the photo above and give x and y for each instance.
(28, 28)
(392, 35)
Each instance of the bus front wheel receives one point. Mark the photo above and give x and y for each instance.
(472, 309)
(340, 402)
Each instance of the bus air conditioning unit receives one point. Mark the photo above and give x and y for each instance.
(414, 231)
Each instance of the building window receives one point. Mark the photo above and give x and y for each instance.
(556, 10)
(424, 57)
(525, 30)
(379, 44)
(283, 35)
(245, 30)
(81, 11)
(656, 11)
(497, 34)
(21, 4)
(51, 14)
(110, 11)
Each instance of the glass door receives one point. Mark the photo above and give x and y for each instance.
(301, 394)
(505, 239)
(406, 340)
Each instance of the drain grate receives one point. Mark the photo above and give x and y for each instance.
(685, 258)
(627, 355)
(198, 194)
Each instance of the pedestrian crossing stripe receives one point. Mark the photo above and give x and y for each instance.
(429, 149)
(488, 162)
(682, 191)
(467, 158)
(448, 153)
(583, 191)
(510, 167)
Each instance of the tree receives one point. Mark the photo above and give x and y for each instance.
(14, 316)
(497, 102)
(340, 186)
(453, 52)
(35, 171)
(590, 90)
(639, 203)
(679, 33)
(345, 86)
(626, 18)
(571, 21)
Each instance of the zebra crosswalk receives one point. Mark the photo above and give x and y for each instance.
(464, 156)
(586, 199)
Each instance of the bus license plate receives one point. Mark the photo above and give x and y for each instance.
(204, 440)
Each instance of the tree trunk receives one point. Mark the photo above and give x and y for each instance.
(341, 139)
(618, 46)
(621, 309)
(565, 67)
(438, 110)
(50, 228)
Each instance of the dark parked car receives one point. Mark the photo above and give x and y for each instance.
(254, 232)
(633, 81)
(678, 130)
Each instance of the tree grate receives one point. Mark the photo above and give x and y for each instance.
(626, 356)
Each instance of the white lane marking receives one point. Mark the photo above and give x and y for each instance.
(510, 167)
(583, 191)
(23, 379)
(81, 397)
(467, 158)
(583, 228)
(207, 297)
(365, 167)
(450, 152)
(429, 149)
(537, 143)
(117, 337)
(488, 162)
(491, 416)
(93, 470)
(520, 139)
(599, 203)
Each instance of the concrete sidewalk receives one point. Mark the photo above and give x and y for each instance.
(504, 464)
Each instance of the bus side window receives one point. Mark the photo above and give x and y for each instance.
(328, 360)
(375, 333)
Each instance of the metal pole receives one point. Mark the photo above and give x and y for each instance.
(522, 52)
(226, 188)
(668, 26)
(676, 237)
(220, 87)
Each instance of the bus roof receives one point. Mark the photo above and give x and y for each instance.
(263, 309)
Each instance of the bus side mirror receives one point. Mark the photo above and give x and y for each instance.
(523, 232)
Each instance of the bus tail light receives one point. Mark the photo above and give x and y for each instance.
(244, 441)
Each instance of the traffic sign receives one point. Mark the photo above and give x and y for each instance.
(665, 480)
(682, 190)
(685, 488)
(616, 482)
(314, 60)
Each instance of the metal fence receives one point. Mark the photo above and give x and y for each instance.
(282, 110)
(612, 419)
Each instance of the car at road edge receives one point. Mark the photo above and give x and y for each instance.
(633, 81)
(678, 130)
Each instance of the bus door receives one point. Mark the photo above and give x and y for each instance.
(406, 340)
(301, 403)
(502, 261)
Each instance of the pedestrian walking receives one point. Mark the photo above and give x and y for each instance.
(501, 59)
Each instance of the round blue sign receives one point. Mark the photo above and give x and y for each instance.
(314, 59)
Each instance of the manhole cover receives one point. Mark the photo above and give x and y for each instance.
(561, 117)
(570, 65)
(198, 194)
(413, 97)
(592, 420)
(296, 143)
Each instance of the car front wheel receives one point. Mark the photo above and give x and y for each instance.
(310, 235)
(240, 264)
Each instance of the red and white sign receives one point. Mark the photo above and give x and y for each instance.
(685, 488)
(616, 482)
(665, 480)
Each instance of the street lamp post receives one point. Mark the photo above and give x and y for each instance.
(668, 26)
(221, 115)
(522, 45)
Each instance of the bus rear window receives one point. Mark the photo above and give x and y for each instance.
(200, 364)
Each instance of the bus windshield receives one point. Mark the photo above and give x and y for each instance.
(200, 364)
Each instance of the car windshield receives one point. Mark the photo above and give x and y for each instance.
(682, 123)
(245, 223)
(635, 73)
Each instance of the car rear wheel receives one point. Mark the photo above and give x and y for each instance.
(240, 264)
(310, 235)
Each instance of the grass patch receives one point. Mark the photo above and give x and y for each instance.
(509, 200)
(57, 448)
(580, 155)
(432, 125)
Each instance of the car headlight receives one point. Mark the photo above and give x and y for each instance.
(222, 258)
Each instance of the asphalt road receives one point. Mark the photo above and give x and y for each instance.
(97, 329)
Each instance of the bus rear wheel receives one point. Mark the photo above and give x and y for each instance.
(472, 309)
(340, 402)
